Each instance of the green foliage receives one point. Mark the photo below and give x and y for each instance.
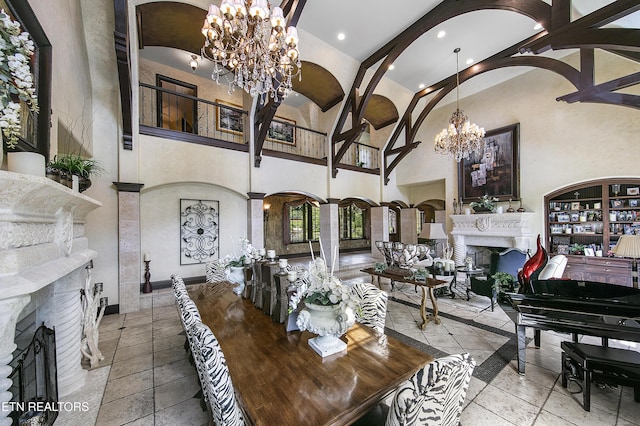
(503, 281)
(76, 165)
(379, 267)
(237, 263)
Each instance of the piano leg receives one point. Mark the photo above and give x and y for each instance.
(536, 337)
(521, 335)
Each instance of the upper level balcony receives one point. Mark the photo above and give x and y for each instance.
(173, 114)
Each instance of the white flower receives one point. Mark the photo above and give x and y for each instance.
(16, 48)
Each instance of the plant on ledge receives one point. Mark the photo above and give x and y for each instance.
(486, 204)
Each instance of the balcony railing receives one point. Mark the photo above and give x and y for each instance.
(360, 156)
(175, 115)
(166, 109)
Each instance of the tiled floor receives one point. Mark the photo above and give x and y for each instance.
(146, 378)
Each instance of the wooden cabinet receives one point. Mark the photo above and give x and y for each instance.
(588, 218)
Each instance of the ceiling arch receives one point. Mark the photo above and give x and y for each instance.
(170, 24)
(380, 112)
(319, 85)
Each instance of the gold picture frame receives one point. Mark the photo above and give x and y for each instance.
(229, 118)
(282, 130)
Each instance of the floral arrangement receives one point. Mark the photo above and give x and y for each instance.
(503, 281)
(247, 252)
(324, 288)
(486, 203)
(16, 47)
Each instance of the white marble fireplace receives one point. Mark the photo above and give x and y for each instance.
(43, 255)
(491, 230)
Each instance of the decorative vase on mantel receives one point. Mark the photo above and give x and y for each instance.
(329, 323)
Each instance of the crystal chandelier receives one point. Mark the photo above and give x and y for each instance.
(247, 42)
(460, 137)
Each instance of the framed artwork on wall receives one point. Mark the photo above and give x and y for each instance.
(34, 126)
(199, 231)
(282, 130)
(495, 169)
(229, 118)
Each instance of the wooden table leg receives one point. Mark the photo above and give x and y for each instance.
(423, 312)
(434, 303)
(423, 308)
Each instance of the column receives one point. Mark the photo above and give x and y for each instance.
(409, 226)
(459, 249)
(255, 219)
(68, 326)
(330, 231)
(9, 311)
(129, 257)
(379, 229)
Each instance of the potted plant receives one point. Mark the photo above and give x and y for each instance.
(68, 165)
(503, 281)
(485, 204)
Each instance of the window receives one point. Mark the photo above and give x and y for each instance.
(303, 222)
(176, 106)
(352, 219)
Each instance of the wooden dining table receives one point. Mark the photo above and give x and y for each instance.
(280, 380)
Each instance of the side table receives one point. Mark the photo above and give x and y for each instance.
(469, 273)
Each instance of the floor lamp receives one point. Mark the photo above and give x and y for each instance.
(433, 232)
(629, 246)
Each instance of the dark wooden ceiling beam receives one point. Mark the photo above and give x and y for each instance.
(535, 9)
(121, 38)
(406, 149)
(265, 112)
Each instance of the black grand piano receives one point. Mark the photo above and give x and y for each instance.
(571, 306)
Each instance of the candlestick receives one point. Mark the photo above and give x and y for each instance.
(146, 257)
(147, 275)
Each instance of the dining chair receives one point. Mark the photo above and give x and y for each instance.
(216, 379)
(179, 289)
(373, 305)
(215, 271)
(433, 396)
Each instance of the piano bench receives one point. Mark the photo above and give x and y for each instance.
(599, 363)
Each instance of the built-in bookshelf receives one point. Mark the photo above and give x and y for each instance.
(585, 220)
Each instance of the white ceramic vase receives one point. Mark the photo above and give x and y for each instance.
(329, 323)
(235, 275)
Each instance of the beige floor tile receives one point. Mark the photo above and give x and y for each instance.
(476, 415)
(167, 356)
(176, 391)
(131, 366)
(127, 409)
(128, 385)
(569, 408)
(172, 371)
(127, 352)
(185, 413)
(163, 343)
(507, 406)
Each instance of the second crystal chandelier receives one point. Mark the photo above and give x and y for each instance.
(248, 43)
(460, 138)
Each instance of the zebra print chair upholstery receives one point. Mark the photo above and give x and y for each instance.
(433, 396)
(216, 380)
(215, 272)
(373, 305)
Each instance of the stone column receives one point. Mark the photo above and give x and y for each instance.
(9, 311)
(330, 232)
(255, 219)
(408, 226)
(379, 229)
(459, 249)
(129, 257)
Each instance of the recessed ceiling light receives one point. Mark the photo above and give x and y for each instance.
(392, 67)
(538, 26)
(341, 36)
(469, 61)
(441, 33)
(421, 86)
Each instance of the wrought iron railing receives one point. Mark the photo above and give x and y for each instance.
(167, 109)
(361, 156)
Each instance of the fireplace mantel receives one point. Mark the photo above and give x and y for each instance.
(491, 230)
(43, 252)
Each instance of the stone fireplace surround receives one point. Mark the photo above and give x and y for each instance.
(43, 255)
(491, 230)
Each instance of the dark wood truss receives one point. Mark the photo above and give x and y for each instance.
(560, 33)
(265, 111)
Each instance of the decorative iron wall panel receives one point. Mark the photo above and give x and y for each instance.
(199, 231)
